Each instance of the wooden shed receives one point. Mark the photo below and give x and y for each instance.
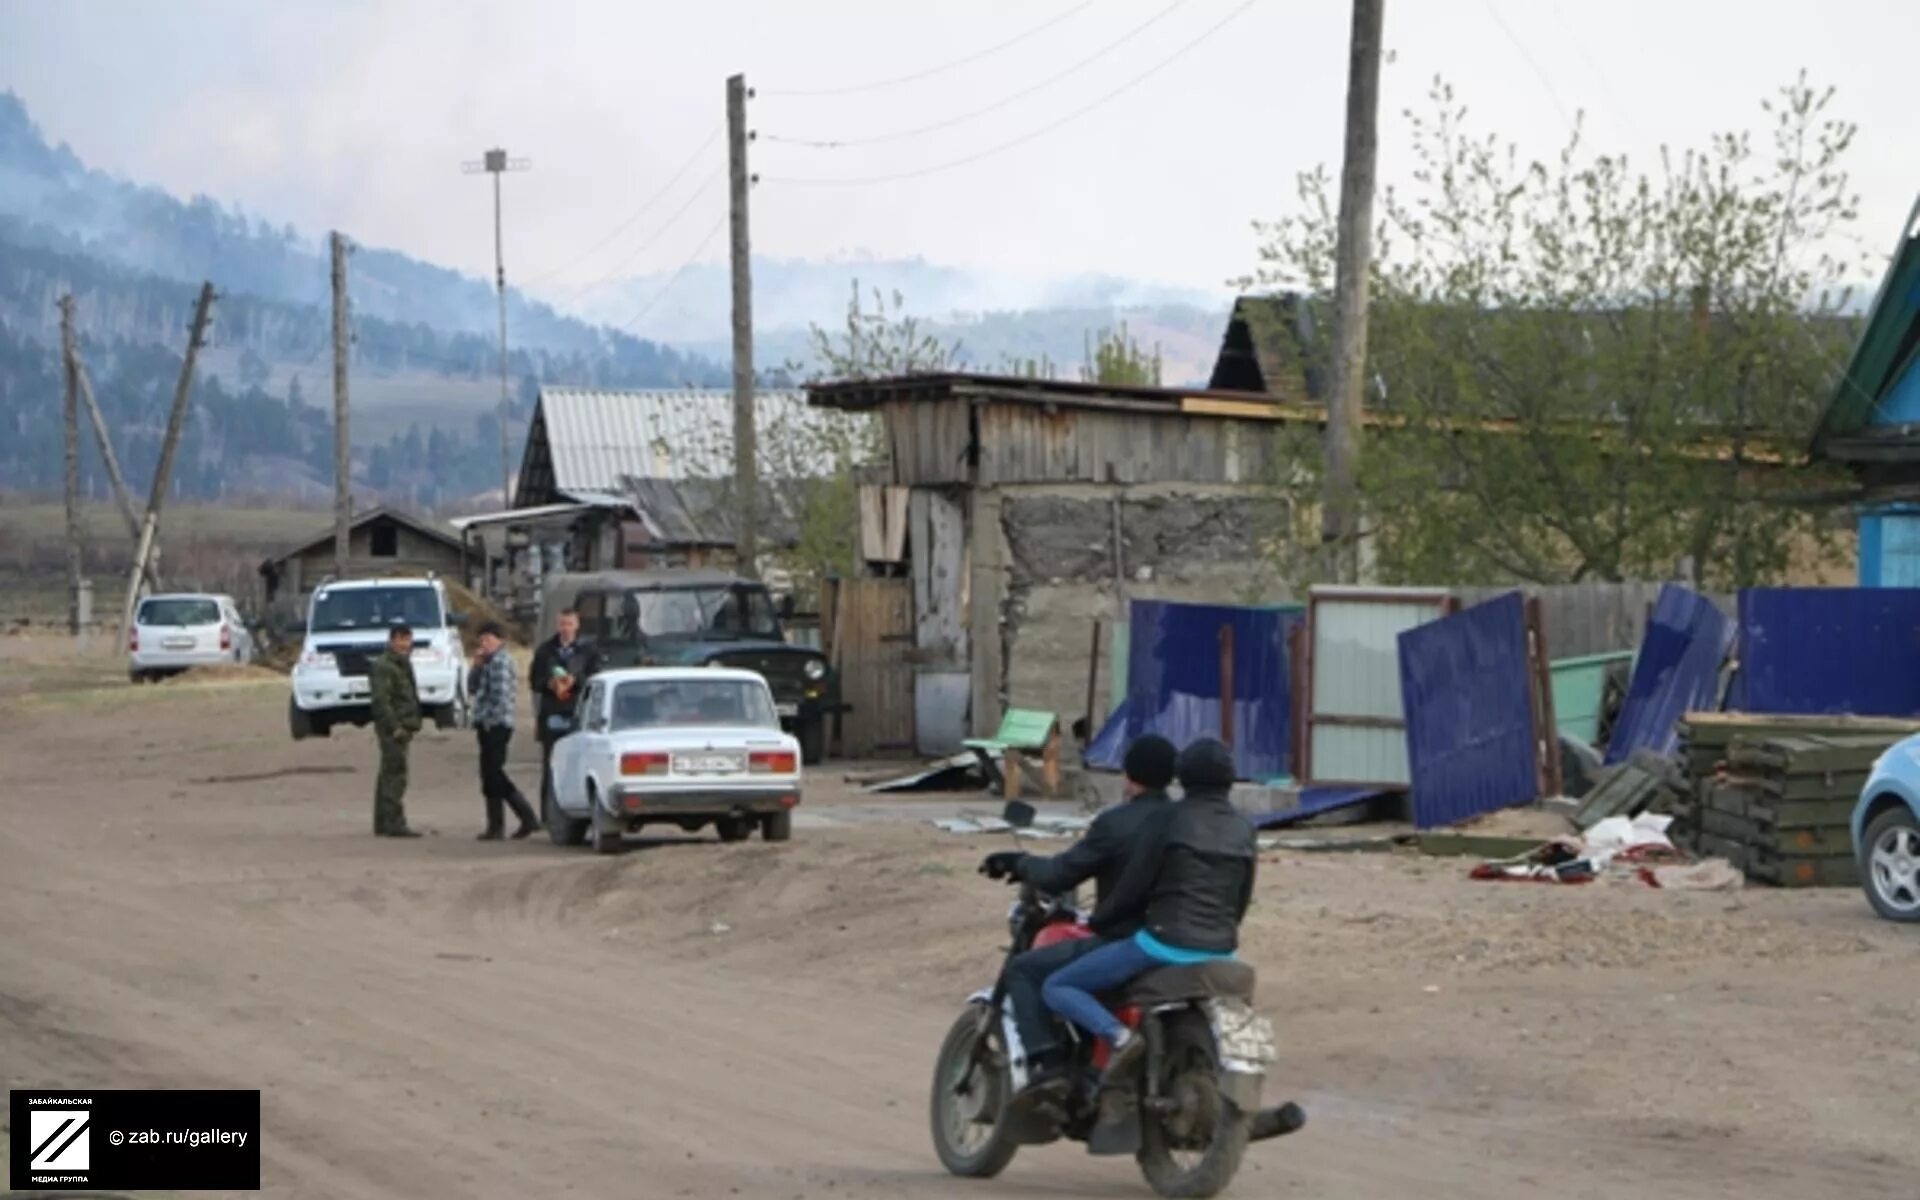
(380, 541)
(1015, 514)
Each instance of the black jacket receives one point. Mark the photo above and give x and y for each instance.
(582, 662)
(1193, 869)
(1101, 856)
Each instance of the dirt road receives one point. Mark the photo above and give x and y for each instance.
(191, 900)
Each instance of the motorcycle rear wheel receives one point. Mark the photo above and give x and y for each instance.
(1194, 1151)
(969, 1099)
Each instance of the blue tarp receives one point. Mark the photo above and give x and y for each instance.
(1466, 688)
(1676, 672)
(1829, 650)
(1173, 683)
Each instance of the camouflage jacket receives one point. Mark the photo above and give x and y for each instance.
(395, 697)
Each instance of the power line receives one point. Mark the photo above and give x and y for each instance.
(574, 295)
(898, 135)
(660, 295)
(1137, 80)
(931, 71)
(637, 213)
(1545, 82)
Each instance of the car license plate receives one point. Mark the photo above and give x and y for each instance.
(787, 710)
(178, 643)
(707, 764)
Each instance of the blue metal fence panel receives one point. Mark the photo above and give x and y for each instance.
(1173, 683)
(1830, 650)
(1466, 687)
(1676, 672)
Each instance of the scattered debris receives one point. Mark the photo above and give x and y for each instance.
(1043, 826)
(960, 773)
(1628, 789)
(719, 927)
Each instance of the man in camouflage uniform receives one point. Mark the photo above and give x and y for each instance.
(396, 718)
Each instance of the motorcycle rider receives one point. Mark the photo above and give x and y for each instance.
(1194, 864)
(1101, 856)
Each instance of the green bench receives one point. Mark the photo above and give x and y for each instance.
(1022, 731)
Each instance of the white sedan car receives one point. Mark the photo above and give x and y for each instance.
(685, 746)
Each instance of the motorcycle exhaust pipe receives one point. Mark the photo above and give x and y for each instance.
(1276, 1122)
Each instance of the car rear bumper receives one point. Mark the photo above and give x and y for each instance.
(639, 802)
(176, 660)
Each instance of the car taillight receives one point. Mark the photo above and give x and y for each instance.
(773, 762)
(226, 638)
(643, 764)
(133, 640)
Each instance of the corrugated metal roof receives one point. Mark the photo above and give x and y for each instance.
(698, 512)
(598, 438)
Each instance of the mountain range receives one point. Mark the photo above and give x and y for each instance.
(425, 384)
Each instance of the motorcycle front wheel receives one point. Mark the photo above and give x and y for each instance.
(1194, 1149)
(970, 1086)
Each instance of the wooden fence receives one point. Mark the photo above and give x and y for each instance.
(867, 629)
(1591, 618)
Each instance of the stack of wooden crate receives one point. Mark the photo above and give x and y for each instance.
(1778, 806)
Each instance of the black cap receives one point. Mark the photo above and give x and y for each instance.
(1149, 761)
(1207, 764)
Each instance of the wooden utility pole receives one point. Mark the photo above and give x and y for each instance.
(342, 458)
(163, 471)
(72, 425)
(1340, 514)
(746, 529)
(108, 457)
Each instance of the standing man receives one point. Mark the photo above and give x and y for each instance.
(1101, 855)
(561, 665)
(396, 718)
(491, 683)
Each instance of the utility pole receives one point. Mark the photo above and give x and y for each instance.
(496, 163)
(1340, 516)
(342, 457)
(163, 471)
(108, 457)
(746, 532)
(72, 424)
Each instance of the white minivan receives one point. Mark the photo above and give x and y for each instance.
(174, 632)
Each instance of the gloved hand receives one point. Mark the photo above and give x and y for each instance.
(1002, 864)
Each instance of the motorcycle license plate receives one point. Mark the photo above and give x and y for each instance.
(707, 764)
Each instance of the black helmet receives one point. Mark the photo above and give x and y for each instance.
(1206, 764)
(1149, 761)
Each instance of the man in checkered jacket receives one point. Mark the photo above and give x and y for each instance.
(494, 687)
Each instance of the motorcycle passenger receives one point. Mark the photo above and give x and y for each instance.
(1195, 865)
(1101, 856)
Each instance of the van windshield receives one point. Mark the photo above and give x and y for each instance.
(705, 612)
(338, 609)
(179, 612)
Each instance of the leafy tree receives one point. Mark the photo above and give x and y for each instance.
(1582, 369)
(1114, 357)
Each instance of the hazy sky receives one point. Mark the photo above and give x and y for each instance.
(358, 113)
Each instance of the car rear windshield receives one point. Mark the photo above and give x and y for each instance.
(186, 611)
(645, 704)
(338, 609)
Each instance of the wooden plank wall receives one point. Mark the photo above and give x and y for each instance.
(1591, 618)
(1023, 443)
(873, 645)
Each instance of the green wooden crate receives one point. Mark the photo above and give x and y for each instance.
(1816, 841)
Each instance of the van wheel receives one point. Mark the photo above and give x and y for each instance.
(298, 722)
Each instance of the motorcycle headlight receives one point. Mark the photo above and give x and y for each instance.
(816, 669)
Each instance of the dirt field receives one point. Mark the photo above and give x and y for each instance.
(192, 900)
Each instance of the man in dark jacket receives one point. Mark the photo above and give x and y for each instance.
(395, 701)
(1100, 856)
(561, 667)
(1194, 868)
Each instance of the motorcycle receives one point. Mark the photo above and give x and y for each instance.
(1186, 1111)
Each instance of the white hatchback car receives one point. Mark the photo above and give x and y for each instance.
(686, 746)
(174, 632)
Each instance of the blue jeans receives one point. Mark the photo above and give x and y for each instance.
(1073, 990)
